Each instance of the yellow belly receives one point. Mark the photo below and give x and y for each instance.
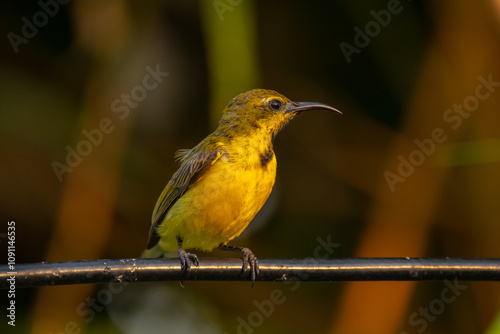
(219, 206)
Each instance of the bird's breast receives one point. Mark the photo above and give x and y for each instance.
(220, 205)
(245, 186)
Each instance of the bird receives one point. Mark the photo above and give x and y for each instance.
(223, 181)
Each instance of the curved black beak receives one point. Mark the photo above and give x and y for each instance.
(303, 106)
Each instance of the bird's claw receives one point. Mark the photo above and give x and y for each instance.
(186, 258)
(249, 259)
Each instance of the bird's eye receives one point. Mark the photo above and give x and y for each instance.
(275, 104)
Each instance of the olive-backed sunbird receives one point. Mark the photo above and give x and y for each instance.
(223, 181)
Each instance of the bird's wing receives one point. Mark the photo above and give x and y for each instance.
(192, 169)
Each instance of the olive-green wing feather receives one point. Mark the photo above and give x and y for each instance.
(194, 165)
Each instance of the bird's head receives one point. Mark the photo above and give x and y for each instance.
(264, 110)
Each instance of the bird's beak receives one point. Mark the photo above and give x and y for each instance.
(297, 107)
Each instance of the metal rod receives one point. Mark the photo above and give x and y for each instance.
(357, 269)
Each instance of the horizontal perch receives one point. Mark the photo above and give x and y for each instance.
(210, 269)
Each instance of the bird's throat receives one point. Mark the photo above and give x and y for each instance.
(266, 157)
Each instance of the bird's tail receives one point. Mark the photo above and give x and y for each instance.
(157, 251)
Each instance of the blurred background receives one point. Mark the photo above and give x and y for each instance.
(96, 96)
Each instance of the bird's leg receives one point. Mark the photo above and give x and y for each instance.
(247, 257)
(185, 257)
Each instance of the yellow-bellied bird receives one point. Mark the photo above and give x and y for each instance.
(224, 180)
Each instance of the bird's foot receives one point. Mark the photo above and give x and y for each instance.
(186, 259)
(250, 259)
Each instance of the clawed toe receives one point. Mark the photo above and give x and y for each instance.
(186, 259)
(250, 259)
